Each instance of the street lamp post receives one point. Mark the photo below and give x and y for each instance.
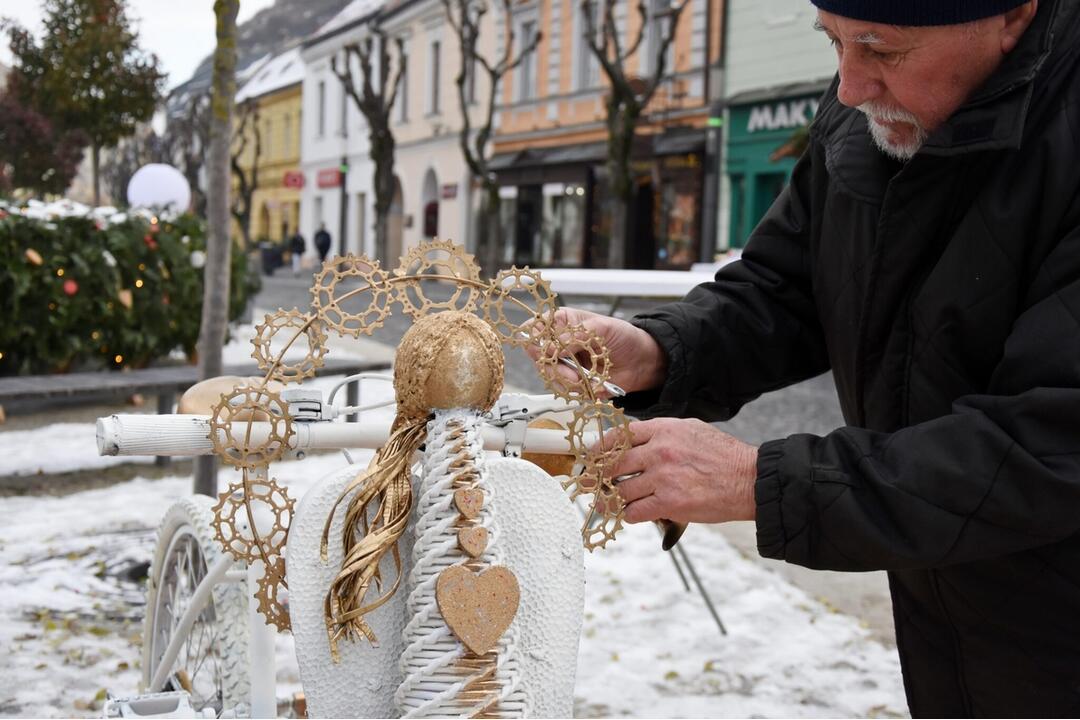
(343, 222)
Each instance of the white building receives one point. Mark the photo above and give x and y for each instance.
(435, 191)
(777, 68)
(334, 137)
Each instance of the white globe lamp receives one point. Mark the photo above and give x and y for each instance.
(160, 187)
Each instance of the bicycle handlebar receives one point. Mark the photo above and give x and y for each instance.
(189, 435)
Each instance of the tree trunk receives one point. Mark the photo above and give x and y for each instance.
(490, 230)
(621, 126)
(215, 307)
(382, 240)
(382, 156)
(95, 160)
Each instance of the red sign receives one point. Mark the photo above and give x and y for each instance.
(448, 191)
(294, 179)
(328, 178)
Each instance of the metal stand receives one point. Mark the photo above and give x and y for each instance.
(679, 553)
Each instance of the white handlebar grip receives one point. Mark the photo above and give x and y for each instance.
(187, 435)
(154, 435)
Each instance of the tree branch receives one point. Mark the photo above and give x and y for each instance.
(661, 58)
(645, 19)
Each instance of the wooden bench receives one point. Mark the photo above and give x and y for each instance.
(165, 382)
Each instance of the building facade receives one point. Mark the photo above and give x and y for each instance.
(335, 160)
(434, 194)
(274, 89)
(551, 144)
(777, 68)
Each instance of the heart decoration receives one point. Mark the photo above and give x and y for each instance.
(473, 540)
(477, 607)
(469, 501)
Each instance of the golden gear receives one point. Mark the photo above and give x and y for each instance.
(269, 505)
(525, 289)
(604, 518)
(584, 346)
(434, 261)
(445, 261)
(273, 595)
(232, 442)
(273, 363)
(329, 300)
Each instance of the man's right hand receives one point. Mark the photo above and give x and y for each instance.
(637, 360)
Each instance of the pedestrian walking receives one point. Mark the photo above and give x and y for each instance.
(298, 246)
(322, 242)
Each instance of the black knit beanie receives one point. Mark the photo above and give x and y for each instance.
(917, 12)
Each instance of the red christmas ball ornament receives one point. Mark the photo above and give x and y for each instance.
(70, 287)
(150, 242)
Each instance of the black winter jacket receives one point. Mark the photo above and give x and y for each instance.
(944, 294)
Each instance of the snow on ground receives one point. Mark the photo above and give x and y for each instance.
(71, 603)
(70, 621)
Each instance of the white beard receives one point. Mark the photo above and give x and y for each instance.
(902, 151)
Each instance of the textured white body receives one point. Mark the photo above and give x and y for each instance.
(541, 542)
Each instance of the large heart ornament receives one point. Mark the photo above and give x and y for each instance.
(478, 608)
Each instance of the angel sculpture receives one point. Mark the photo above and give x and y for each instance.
(452, 586)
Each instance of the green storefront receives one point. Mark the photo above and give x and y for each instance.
(764, 140)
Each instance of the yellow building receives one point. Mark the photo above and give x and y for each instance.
(275, 91)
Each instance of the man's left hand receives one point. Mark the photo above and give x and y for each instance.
(687, 471)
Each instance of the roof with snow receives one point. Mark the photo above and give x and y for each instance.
(279, 72)
(350, 15)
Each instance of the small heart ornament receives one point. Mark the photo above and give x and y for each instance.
(469, 501)
(473, 540)
(477, 607)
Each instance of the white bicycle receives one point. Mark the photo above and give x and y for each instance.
(207, 652)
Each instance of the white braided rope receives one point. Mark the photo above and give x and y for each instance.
(432, 679)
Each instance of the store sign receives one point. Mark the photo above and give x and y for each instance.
(328, 178)
(448, 191)
(785, 115)
(293, 179)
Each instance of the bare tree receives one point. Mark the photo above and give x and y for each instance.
(189, 137)
(215, 307)
(375, 99)
(627, 98)
(466, 18)
(247, 179)
(131, 153)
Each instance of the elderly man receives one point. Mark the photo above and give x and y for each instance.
(927, 251)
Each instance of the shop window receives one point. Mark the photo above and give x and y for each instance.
(527, 226)
(562, 229)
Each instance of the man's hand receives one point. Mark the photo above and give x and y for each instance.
(637, 361)
(689, 472)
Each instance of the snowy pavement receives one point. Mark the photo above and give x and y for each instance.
(71, 608)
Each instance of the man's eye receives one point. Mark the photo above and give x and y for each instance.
(887, 57)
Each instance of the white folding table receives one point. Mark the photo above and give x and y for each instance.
(619, 284)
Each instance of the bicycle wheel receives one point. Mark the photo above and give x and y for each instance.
(212, 665)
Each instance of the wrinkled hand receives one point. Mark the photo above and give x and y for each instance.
(638, 362)
(689, 472)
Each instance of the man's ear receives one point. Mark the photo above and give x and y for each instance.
(1017, 21)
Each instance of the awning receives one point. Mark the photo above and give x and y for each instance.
(679, 142)
(777, 92)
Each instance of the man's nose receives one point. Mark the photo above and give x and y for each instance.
(857, 84)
